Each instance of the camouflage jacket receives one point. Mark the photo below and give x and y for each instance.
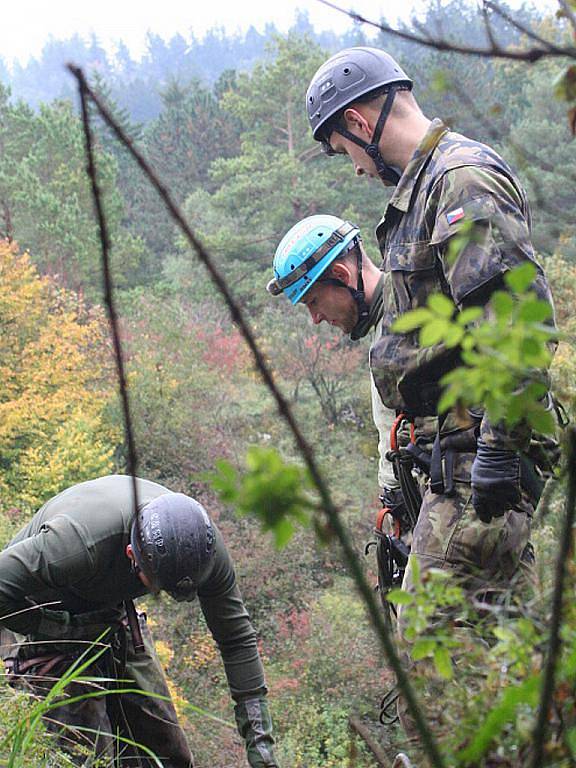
(449, 180)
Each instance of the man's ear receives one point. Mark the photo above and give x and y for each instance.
(341, 272)
(130, 553)
(359, 123)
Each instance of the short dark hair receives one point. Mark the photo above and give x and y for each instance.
(337, 120)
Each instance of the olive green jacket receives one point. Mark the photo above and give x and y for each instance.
(72, 555)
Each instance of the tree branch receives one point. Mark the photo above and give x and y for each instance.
(109, 290)
(328, 507)
(529, 55)
(521, 27)
(488, 27)
(565, 550)
(358, 726)
(569, 13)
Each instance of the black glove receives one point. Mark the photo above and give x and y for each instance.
(495, 481)
(255, 727)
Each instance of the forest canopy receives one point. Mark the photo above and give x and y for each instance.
(221, 120)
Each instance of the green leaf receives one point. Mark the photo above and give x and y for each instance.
(542, 421)
(409, 321)
(440, 81)
(571, 739)
(530, 349)
(400, 597)
(415, 566)
(468, 343)
(441, 305)
(422, 648)
(521, 278)
(447, 400)
(270, 489)
(565, 84)
(535, 311)
(503, 304)
(283, 531)
(453, 336)
(433, 332)
(469, 315)
(499, 717)
(504, 633)
(443, 662)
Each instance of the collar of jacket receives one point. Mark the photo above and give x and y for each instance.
(403, 193)
(374, 315)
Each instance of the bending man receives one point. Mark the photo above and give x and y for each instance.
(86, 555)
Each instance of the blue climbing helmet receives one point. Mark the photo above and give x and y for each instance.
(307, 250)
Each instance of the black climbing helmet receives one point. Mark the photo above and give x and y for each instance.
(173, 544)
(345, 78)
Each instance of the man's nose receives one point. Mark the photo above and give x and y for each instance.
(316, 316)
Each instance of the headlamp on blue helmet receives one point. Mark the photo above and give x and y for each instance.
(306, 251)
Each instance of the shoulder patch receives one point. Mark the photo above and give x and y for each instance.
(453, 216)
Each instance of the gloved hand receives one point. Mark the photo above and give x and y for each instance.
(495, 481)
(255, 726)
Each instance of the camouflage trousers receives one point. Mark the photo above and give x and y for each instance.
(493, 562)
(96, 731)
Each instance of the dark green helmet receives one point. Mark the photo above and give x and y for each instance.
(345, 78)
(173, 544)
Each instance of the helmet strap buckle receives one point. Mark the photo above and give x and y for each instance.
(372, 150)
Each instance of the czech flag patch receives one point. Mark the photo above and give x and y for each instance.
(454, 216)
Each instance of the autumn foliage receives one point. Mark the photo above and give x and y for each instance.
(54, 370)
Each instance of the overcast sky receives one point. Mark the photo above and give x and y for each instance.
(27, 24)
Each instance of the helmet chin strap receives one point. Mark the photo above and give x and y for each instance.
(386, 172)
(358, 293)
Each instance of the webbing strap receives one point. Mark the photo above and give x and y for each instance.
(384, 112)
(436, 474)
(134, 624)
(316, 256)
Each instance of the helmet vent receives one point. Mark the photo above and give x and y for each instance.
(346, 70)
(291, 266)
(320, 234)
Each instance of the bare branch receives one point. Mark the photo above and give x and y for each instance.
(569, 13)
(423, 31)
(488, 26)
(308, 153)
(565, 550)
(519, 26)
(328, 507)
(379, 755)
(529, 55)
(108, 289)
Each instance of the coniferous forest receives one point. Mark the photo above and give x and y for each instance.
(221, 120)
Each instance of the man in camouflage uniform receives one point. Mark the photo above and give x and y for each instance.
(475, 514)
(69, 577)
(360, 104)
